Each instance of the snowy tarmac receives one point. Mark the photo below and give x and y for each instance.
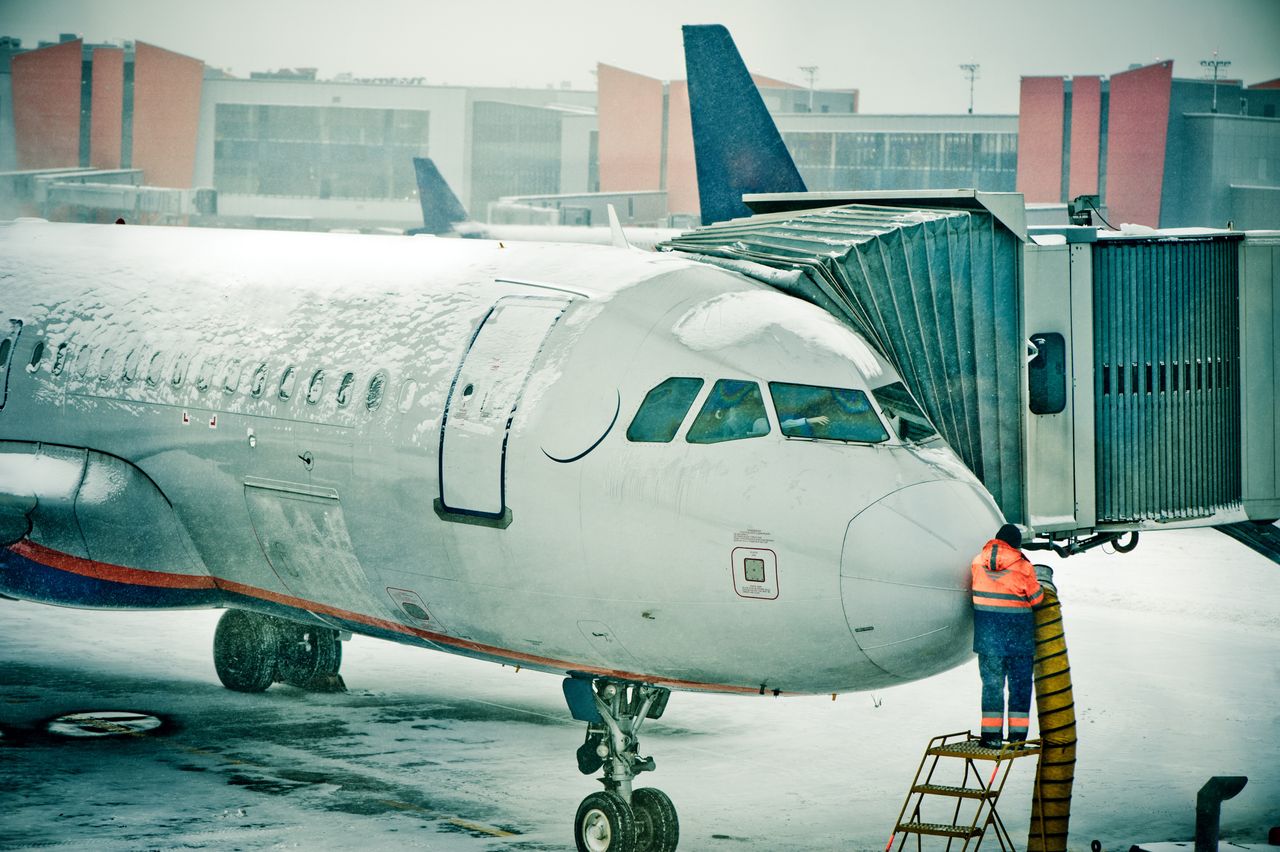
(1175, 654)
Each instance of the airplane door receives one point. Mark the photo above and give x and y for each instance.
(8, 348)
(483, 400)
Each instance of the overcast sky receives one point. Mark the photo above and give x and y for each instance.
(902, 54)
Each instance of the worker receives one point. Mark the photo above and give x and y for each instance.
(1005, 589)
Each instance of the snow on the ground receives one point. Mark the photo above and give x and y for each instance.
(1175, 654)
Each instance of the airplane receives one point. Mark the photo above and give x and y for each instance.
(633, 470)
(444, 216)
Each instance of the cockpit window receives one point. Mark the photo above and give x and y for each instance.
(904, 413)
(832, 414)
(663, 411)
(734, 410)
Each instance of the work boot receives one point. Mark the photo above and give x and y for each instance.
(990, 742)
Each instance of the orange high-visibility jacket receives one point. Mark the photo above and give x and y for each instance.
(1005, 589)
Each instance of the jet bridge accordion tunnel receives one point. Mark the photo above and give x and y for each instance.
(1095, 381)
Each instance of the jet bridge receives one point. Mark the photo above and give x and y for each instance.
(1095, 381)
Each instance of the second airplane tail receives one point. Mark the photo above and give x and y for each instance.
(441, 209)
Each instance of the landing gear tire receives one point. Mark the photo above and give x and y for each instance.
(309, 657)
(246, 651)
(657, 826)
(605, 823)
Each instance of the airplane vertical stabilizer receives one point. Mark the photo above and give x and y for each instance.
(736, 144)
(440, 207)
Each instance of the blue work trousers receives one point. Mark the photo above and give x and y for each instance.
(996, 669)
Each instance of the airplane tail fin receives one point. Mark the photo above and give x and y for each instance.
(615, 229)
(737, 146)
(440, 207)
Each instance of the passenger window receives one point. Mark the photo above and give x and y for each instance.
(344, 388)
(377, 385)
(407, 392)
(259, 381)
(60, 359)
(832, 414)
(131, 362)
(733, 410)
(179, 369)
(231, 376)
(82, 360)
(104, 364)
(6, 346)
(287, 381)
(663, 410)
(204, 369)
(904, 413)
(37, 355)
(155, 370)
(315, 388)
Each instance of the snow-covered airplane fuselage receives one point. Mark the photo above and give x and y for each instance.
(636, 470)
(439, 443)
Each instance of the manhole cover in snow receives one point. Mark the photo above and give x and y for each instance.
(106, 723)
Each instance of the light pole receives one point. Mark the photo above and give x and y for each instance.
(971, 69)
(811, 71)
(1215, 63)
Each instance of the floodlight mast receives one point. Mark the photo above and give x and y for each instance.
(1215, 64)
(811, 71)
(971, 70)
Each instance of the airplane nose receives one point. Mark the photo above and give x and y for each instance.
(904, 575)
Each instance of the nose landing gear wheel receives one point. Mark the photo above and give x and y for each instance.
(657, 826)
(605, 823)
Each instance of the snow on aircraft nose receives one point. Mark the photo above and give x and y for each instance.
(904, 575)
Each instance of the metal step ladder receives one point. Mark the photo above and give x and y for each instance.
(975, 787)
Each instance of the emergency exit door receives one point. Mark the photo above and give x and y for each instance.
(483, 400)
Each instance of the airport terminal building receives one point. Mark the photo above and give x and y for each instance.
(284, 149)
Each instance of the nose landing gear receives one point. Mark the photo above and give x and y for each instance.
(619, 819)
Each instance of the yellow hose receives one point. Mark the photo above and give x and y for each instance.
(1051, 802)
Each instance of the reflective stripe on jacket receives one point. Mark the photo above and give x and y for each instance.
(1003, 579)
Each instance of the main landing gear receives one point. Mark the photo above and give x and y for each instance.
(253, 651)
(619, 819)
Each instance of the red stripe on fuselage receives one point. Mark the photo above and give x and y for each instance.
(159, 579)
(106, 571)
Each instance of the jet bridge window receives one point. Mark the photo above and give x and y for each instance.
(903, 412)
(1047, 374)
(828, 414)
(734, 410)
(663, 410)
